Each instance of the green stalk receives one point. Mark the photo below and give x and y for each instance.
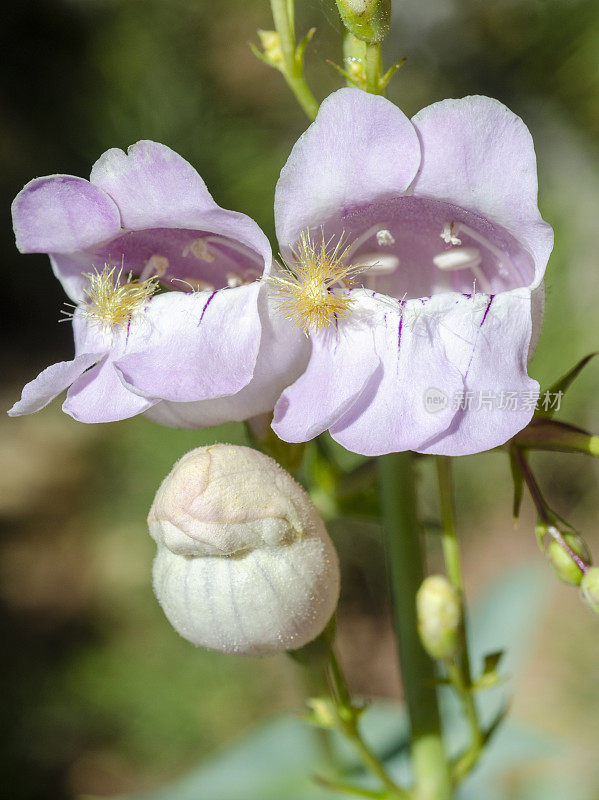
(372, 68)
(348, 724)
(368, 56)
(459, 668)
(405, 558)
(293, 67)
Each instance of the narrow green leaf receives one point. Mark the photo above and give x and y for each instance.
(300, 49)
(562, 385)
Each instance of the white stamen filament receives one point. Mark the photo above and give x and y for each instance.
(231, 245)
(379, 264)
(463, 258)
(502, 258)
(195, 284)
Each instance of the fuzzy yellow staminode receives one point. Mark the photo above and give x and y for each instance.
(309, 299)
(112, 303)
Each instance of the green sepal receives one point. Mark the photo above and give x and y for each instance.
(544, 433)
(489, 676)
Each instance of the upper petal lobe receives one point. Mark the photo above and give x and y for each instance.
(360, 148)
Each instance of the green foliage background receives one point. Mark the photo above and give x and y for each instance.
(100, 696)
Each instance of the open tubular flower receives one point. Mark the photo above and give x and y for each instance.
(244, 562)
(431, 350)
(168, 314)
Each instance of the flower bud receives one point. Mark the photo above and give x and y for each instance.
(439, 612)
(589, 588)
(244, 562)
(271, 47)
(563, 564)
(368, 20)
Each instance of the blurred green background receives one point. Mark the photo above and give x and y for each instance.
(100, 696)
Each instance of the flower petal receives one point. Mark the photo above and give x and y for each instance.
(410, 403)
(62, 214)
(342, 366)
(155, 187)
(51, 382)
(282, 357)
(490, 348)
(99, 396)
(360, 148)
(152, 185)
(478, 154)
(204, 345)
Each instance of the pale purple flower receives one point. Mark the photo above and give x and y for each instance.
(431, 354)
(207, 351)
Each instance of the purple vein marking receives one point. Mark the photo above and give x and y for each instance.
(208, 301)
(399, 332)
(491, 298)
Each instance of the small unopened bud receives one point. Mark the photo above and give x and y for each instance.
(589, 588)
(271, 46)
(439, 614)
(564, 566)
(244, 562)
(368, 20)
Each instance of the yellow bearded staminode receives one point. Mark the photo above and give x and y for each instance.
(112, 303)
(309, 299)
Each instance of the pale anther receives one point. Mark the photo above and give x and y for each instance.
(448, 235)
(234, 280)
(200, 249)
(385, 238)
(157, 265)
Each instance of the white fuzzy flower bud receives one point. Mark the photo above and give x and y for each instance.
(244, 562)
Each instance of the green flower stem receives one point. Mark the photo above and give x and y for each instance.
(372, 68)
(293, 62)
(398, 496)
(544, 512)
(348, 788)
(354, 53)
(362, 63)
(347, 722)
(458, 668)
